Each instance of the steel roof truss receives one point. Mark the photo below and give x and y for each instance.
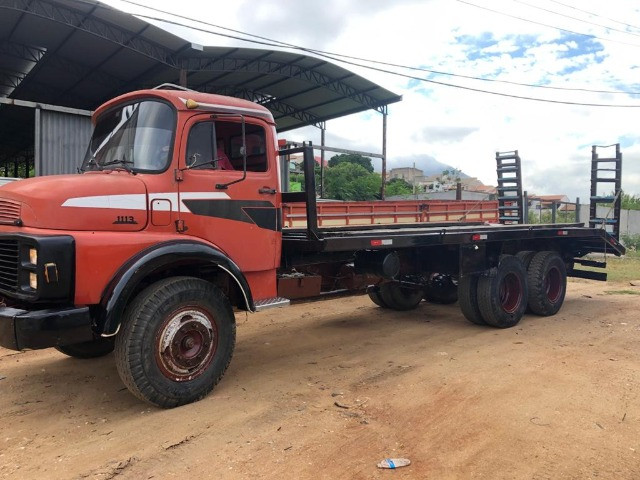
(279, 68)
(80, 21)
(21, 51)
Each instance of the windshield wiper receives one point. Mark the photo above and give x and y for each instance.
(124, 162)
(91, 162)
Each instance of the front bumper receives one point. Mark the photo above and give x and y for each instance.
(22, 329)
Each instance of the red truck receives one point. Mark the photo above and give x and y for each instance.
(177, 218)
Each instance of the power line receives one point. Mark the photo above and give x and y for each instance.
(501, 94)
(272, 42)
(596, 15)
(547, 25)
(277, 43)
(574, 18)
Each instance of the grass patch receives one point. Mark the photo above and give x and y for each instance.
(622, 292)
(624, 269)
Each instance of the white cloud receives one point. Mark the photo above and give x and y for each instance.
(458, 127)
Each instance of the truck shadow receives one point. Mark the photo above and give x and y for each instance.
(264, 345)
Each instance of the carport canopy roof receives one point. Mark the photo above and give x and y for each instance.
(80, 53)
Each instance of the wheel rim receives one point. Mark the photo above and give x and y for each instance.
(553, 284)
(186, 344)
(510, 293)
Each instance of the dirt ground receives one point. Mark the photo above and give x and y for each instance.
(328, 389)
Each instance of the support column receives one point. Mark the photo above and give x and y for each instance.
(323, 129)
(37, 144)
(183, 78)
(384, 153)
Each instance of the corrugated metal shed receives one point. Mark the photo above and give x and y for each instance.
(61, 141)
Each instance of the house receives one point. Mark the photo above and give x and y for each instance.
(408, 174)
(542, 202)
(295, 162)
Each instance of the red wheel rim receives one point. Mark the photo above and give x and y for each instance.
(553, 284)
(510, 293)
(186, 344)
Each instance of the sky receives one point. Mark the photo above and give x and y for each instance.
(564, 46)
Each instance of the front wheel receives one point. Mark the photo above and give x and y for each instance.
(176, 341)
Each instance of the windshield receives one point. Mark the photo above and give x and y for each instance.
(136, 136)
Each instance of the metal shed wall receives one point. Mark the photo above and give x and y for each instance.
(60, 142)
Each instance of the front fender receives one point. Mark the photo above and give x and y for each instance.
(118, 292)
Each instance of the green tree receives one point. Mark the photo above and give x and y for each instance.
(350, 181)
(630, 202)
(299, 178)
(450, 174)
(398, 186)
(351, 158)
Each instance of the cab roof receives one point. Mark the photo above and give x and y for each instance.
(185, 99)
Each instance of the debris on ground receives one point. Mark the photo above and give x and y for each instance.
(394, 463)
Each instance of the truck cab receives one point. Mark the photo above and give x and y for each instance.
(174, 184)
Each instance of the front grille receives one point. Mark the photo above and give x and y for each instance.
(9, 212)
(9, 265)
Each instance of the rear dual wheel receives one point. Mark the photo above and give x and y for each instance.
(502, 297)
(396, 296)
(374, 295)
(547, 279)
(468, 299)
(499, 298)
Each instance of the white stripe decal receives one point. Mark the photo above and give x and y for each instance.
(126, 202)
(138, 201)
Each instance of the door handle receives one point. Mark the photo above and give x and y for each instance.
(267, 191)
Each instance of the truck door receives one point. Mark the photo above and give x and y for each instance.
(221, 202)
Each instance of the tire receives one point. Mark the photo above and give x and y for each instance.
(547, 278)
(441, 289)
(525, 257)
(397, 297)
(92, 349)
(374, 295)
(468, 299)
(502, 297)
(176, 341)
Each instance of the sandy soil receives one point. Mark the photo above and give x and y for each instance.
(328, 389)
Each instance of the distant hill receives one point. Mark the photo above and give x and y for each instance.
(426, 163)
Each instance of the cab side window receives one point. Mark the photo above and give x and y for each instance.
(226, 153)
(200, 145)
(255, 148)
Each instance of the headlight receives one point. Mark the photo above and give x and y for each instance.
(33, 256)
(33, 280)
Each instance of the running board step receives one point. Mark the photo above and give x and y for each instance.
(588, 274)
(271, 303)
(590, 263)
